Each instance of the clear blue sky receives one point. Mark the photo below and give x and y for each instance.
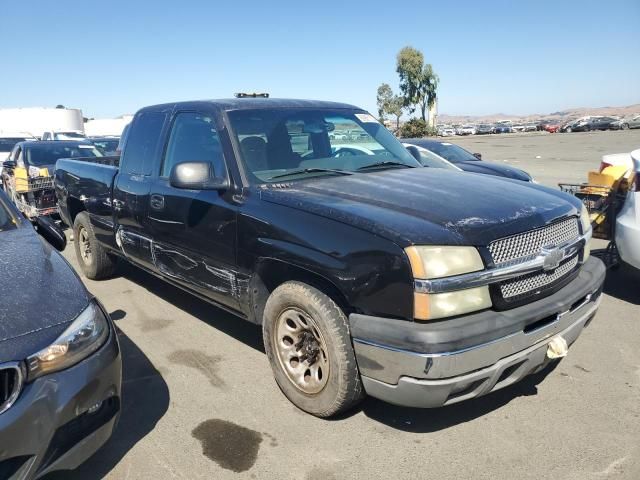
(112, 57)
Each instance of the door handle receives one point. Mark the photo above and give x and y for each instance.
(156, 201)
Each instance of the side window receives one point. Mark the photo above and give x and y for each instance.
(18, 158)
(193, 138)
(143, 143)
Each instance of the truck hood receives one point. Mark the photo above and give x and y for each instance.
(491, 168)
(41, 294)
(429, 206)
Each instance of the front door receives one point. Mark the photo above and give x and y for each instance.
(194, 231)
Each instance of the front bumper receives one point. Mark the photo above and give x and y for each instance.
(438, 363)
(50, 428)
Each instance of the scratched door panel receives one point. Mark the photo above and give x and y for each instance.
(194, 241)
(129, 206)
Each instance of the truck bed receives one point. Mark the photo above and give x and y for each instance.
(87, 182)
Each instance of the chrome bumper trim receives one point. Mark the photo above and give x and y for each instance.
(498, 274)
(389, 364)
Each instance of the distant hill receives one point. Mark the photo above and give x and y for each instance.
(561, 116)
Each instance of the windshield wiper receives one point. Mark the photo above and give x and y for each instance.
(386, 163)
(312, 170)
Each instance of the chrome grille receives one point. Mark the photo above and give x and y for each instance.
(10, 385)
(527, 245)
(534, 281)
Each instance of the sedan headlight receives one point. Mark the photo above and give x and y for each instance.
(85, 335)
(585, 222)
(429, 262)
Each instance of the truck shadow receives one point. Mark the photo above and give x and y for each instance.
(417, 420)
(145, 400)
(242, 330)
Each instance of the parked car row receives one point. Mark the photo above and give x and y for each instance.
(583, 124)
(368, 273)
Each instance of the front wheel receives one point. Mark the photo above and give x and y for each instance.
(307, 340)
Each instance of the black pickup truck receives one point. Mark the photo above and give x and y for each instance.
(368, 273)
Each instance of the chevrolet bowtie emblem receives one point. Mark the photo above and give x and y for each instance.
(552, 257)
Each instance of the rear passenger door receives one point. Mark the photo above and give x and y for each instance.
(194, 231)
(131, 191)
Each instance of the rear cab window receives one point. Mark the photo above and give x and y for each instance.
(143, 143)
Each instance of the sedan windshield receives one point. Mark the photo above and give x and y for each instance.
(451, 152)
(293, 144)
(430, 159)
(50, 153)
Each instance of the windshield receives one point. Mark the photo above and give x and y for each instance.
(49, 153)
(106, 145)
(430, 159)
(7, 144)
(277, 142)
(451, 152)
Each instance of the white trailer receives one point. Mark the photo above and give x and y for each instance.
(38, 120)
(107, 127)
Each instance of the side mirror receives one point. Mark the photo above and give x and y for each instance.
(51, 232)
(415, 153)
(478, 156)
(9, 164)
(196, 176)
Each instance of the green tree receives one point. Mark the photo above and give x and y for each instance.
(385, 94)
(395, 108)
(418, 81)
(389, 104)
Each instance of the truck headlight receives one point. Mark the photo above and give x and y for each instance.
(429, 262)
(85, 335)
(585, 223)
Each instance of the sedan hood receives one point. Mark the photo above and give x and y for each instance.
(491, 168)
(41, 294)
(429, 206)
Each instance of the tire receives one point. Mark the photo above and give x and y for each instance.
(624, 126)
(98, 264)
(318, 319)
(569, 130)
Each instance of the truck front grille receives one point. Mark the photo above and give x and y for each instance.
(10, 385)
(533, 282)
(528, 244)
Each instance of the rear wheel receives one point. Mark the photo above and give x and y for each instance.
(307, 340)
(624, 126)
(94, 260)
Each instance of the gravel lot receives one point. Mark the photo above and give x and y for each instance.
(200, 401)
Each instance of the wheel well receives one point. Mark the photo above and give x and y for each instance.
(75, 206)
(271, 273)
